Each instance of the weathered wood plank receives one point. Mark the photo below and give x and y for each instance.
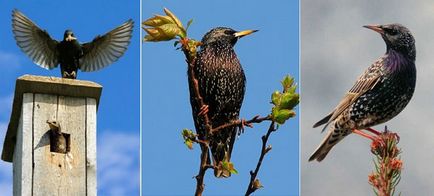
(72, 115)
(57, 173)
(45, 181)
(91, 146)
(22, 169)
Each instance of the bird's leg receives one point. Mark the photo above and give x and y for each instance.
(245, 123)
(73, 75)
(373, 131)
(203, 110)
(363, 134)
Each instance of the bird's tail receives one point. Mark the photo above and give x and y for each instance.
(221, 150)
(334, 135)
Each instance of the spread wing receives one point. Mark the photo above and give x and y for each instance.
(33, 41)
(366, 81)
(106, 49)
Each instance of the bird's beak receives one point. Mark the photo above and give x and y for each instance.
(376, 28)
(244, 33)
(51, 124)
(70, 38)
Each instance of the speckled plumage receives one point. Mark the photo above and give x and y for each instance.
(379, 94)
(222, 85)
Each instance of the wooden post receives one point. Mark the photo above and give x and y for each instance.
(36, 169)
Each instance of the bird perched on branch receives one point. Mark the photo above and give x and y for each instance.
(69, 53)
(379, 94)
(222, 85)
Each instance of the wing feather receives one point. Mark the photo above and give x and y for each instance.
(33, 41)
(106, 49)
(365, 82)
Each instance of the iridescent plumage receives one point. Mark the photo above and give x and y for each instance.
(379, 94)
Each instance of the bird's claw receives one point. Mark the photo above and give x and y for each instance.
(244, 123)
(73, 74)
(203, 110)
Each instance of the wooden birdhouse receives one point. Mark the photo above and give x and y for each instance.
(46, 160)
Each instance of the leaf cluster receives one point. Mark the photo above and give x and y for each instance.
(285, 101)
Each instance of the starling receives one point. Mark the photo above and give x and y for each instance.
(379, 94)
(69, 53)
(57, 139)
(221, 85)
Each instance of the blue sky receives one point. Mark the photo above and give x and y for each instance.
(118, 114)
(266, 56)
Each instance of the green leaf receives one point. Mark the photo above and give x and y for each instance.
(289, 100)
(176, 43)
(173, 17)
(280, 116)
(275, 97)
(163, 28)
(188, 137)
(158, 20)
(158, 34)
(169, 30)
(188, 24)
(189, 144)
(287, 82)
(149, 38)
(257, 184)
(229, 166)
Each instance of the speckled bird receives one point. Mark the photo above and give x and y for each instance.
(379, 94)
(222, 85)
(69, 53)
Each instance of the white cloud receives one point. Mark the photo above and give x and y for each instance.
(335, 50)
(118, 163)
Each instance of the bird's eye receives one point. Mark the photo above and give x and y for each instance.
(229, 32)
(392, 31)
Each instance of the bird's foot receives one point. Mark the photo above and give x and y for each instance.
(244, 123)
(203, 110)
(70, 38)
(363, 134)
(73, 75)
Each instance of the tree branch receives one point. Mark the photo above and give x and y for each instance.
(241, 122)
(254, 183)
(204, 157)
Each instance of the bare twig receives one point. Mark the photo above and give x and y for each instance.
(254, 182)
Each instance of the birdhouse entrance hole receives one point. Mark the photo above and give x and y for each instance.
(60, 143)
